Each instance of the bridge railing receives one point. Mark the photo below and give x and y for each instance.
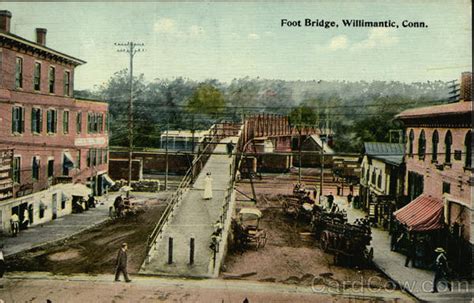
(227, 200)
(187, 180)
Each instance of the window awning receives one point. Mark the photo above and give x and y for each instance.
(108, 180)
(68, 160)
(78, 189)
(425, 213)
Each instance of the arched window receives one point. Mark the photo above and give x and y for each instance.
(468, 149)
(411, 137)
(367, 176)
(373, 177)
(422, 145)
(448, 141)
(435, 141)
(379, 181)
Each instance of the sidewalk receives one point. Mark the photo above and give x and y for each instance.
(55, 230)
(418, 282)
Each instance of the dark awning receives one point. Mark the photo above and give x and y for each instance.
(68, 160)
(108, 180)
(422, 214)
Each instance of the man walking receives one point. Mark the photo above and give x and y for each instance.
(330, 200)
(410, 251)
(122, 264)
(441, 268)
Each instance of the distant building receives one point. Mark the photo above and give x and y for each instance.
(382, 179)
(55, 138)
(439, 172)
(183, 140)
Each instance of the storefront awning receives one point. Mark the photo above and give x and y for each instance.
(108, 180)
(422, 214)
(79, 190)
(68, 160)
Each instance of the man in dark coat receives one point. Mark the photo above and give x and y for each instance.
(121, 264)
(441, 269)
(330, 200)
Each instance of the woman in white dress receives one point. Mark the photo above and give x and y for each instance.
(207, 187)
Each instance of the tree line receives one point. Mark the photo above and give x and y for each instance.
(357, 112)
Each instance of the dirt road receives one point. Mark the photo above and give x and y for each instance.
(80, 288)
(290, 255)
(94, 251)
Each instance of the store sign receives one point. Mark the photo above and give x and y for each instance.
(6, 181)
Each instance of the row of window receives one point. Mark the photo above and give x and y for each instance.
(37, 78)
(95, 121)
(94, 157)
(448, 142)
(373, 178)
(35, 169)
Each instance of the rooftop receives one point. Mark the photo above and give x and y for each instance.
(22, 42)
(391, 153)
(438, 110)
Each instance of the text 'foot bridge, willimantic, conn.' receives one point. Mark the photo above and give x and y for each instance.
(190, 239)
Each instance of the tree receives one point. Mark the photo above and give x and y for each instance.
(207, 100)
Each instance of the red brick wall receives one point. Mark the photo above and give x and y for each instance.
(44, 145)
(455, 174)
(7, 79)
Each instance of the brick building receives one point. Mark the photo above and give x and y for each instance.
(439, 173)
(55, 137)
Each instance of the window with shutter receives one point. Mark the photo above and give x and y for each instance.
(37, 77)
(19, 73)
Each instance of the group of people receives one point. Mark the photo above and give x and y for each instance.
(120, 204)
(80, 205)
(15, 223)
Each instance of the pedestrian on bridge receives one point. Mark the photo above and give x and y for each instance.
(208, 187)
(230, 148)
(121, 264)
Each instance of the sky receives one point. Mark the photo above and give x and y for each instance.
(217, 40)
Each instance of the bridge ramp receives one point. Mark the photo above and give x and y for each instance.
(194, 217)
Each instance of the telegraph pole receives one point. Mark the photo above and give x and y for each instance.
(166, 153)
(131, 48)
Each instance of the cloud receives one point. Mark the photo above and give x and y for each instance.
(253, 36)
(378, 37)
(338, 42)
(196, 30)
(165, 25)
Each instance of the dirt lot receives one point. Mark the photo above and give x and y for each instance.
(288, 256)
(94, 251)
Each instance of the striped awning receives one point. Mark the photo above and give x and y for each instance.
(422, 214)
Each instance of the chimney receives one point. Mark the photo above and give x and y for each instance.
(466, 87)
(41, 36)
(5, 17)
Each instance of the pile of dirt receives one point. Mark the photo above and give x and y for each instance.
(94, 251)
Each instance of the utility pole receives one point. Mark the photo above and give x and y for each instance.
(131, 48)
(322, 169)
(166, 153)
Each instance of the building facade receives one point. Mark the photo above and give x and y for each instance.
(55, 137)
(439, 166)
(382, 179)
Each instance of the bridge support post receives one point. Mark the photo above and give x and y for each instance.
(170, 250)
(191, 251)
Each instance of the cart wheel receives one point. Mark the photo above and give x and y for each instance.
(263, 239)
(325, 241)
(370, 256)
